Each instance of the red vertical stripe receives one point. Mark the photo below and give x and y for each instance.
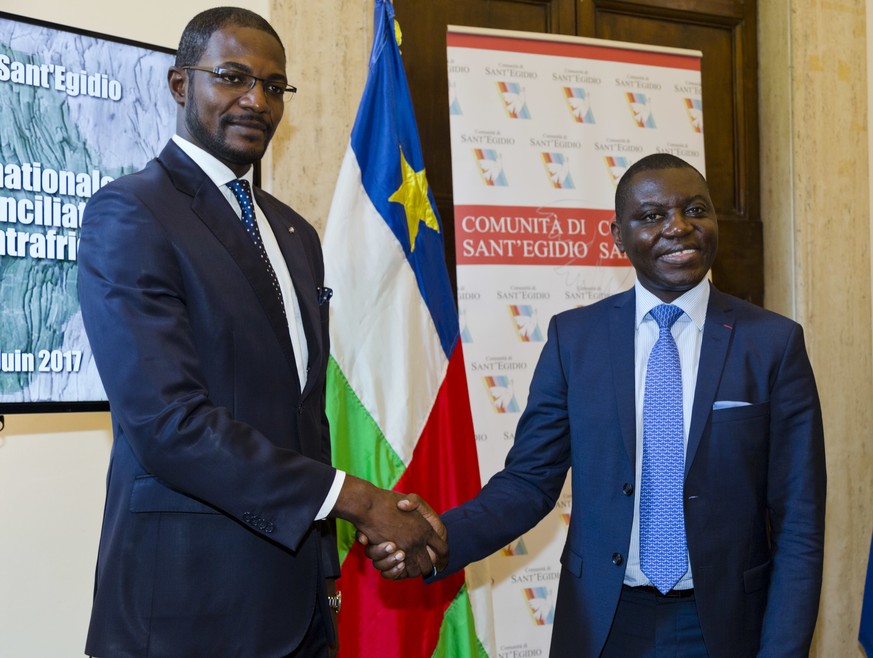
(377, 614)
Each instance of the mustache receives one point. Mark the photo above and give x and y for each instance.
(247, 119)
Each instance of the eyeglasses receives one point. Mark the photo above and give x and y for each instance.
(239, 82)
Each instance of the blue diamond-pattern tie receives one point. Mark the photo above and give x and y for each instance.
(243, 193)
(663, 552)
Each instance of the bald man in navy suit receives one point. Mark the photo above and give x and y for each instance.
(751, 480)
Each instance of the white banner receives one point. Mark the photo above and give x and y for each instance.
(542, 128)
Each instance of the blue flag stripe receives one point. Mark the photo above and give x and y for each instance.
(865, 632)
(385, 124)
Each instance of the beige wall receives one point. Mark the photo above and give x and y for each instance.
(814, 89)
(328, 63)
(816, 198)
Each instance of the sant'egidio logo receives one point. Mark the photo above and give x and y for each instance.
(518, 547)
(640, 108)
(616, 165)
(558, 170)
(694, 108)
(466, 334)
(512, 97)
(490, 163)
(454, 103)
(525, 322)
(502, 393)
(579, 103)
(539, 604)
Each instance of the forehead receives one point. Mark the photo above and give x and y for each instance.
(665, 186)
(245, 45)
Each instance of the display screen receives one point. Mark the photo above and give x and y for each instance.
(77, 110)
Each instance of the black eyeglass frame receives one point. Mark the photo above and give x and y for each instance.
(221, 72)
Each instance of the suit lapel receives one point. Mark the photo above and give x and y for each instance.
(215, 212)
(305, 286)
(717, 331)
(621, 355)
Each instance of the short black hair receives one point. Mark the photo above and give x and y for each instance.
(200, 29)
(648, 163)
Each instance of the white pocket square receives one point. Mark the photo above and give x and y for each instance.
(727, 404)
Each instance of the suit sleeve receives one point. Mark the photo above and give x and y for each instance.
(796, 487)
(133, 293)
(527, 488)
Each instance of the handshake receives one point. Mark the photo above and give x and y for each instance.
(402, 535)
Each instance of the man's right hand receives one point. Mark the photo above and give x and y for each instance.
(383, 518)
(391, 560)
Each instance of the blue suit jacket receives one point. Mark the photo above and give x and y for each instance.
(754, 484)
(219, 462)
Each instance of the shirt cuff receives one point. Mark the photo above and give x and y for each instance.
(332, 496)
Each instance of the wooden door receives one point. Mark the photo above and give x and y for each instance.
(724, 30)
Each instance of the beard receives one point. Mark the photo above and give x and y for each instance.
(216, 143)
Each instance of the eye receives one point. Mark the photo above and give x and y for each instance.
(651, 217)
(275, 88)
(696, 211)
(233, 78)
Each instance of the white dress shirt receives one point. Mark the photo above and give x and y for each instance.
(221, 175)
(688, 334)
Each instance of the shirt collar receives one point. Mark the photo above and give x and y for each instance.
(692, 302)
(218, 172)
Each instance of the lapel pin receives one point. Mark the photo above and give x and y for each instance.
(290, 229)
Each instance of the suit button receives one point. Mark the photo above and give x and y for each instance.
(627, 489)
(300, 410)
(617, 559)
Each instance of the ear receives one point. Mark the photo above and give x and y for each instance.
(177, 79)
(616, 234)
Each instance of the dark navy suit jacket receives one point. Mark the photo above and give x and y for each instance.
(219, 462)
(754, 483)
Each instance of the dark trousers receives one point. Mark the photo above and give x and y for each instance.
(316, 643)
(648, 625)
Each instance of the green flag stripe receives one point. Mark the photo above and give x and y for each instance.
(458, 637)
(357, 444)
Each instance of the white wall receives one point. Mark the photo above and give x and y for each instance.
(53, 467)
(52, 473)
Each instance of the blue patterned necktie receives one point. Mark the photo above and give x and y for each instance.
(663, 552)
(243, 193)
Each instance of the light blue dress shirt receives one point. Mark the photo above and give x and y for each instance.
(688, 334)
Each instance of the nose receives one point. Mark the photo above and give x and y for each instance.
(677, 223)
(256, 97)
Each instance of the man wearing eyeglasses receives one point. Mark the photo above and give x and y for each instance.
(207, 312)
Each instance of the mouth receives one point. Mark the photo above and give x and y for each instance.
(680, 256)
(250, 125)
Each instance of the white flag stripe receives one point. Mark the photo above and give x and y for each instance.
(382, 333)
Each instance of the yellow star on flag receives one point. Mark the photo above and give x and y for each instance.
(412, 193)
